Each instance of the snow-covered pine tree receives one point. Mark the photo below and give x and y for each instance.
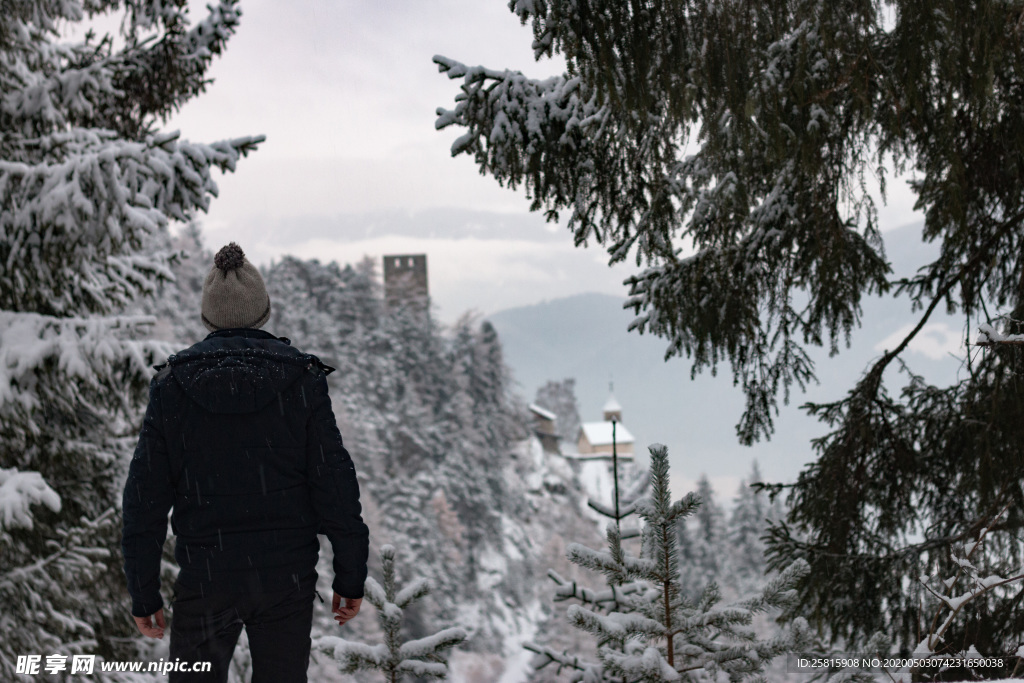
(753, 131)
(176, 304)
(560, 398)
(654, 633)
(711, 556)
(686, 549)
(395, 658)
(613, 599)
(479, 425)
(316, 295)
(86, 182)
(364, 297)
(748, 522)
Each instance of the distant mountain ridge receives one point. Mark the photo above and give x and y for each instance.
(585, 337)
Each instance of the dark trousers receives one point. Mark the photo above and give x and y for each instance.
(206, 629)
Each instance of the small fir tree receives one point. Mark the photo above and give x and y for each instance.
(609, 600)
(655, 633)
(394, 657)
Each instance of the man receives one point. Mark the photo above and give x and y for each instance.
(239, 438)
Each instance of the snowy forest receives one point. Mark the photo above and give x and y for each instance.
(722, 146)
(453, 477)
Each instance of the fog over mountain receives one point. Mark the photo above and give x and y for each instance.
(585, 337)
(482, 261)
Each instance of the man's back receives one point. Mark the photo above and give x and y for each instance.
(240, 439)
(241, 403)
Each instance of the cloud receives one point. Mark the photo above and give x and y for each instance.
(264, 186)
(484, 275)
(935, 341)
(484, 261)
(724, 487)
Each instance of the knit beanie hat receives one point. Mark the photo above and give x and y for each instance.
(234, 294)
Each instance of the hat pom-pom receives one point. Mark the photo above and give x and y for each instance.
(230, 257)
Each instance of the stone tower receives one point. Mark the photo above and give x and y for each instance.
(405, 280)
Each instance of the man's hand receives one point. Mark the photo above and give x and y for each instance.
(343, 614)
(147, 628)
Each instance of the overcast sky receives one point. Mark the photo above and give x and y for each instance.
(346, 93)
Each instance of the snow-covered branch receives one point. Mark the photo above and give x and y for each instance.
(85, 352)
(989, 336)
(581, 670)
(609, 600)
(18, 492)
(74, 226)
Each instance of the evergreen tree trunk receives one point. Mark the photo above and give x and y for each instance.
(665, 591)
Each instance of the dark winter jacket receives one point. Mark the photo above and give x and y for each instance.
(239, 438)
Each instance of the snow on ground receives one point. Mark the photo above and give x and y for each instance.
(517, 658)
(493, 567)
(597, 480)
(512, 664)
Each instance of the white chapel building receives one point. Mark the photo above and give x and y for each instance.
(599, 438)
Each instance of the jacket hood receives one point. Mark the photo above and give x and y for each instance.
(238, 373)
